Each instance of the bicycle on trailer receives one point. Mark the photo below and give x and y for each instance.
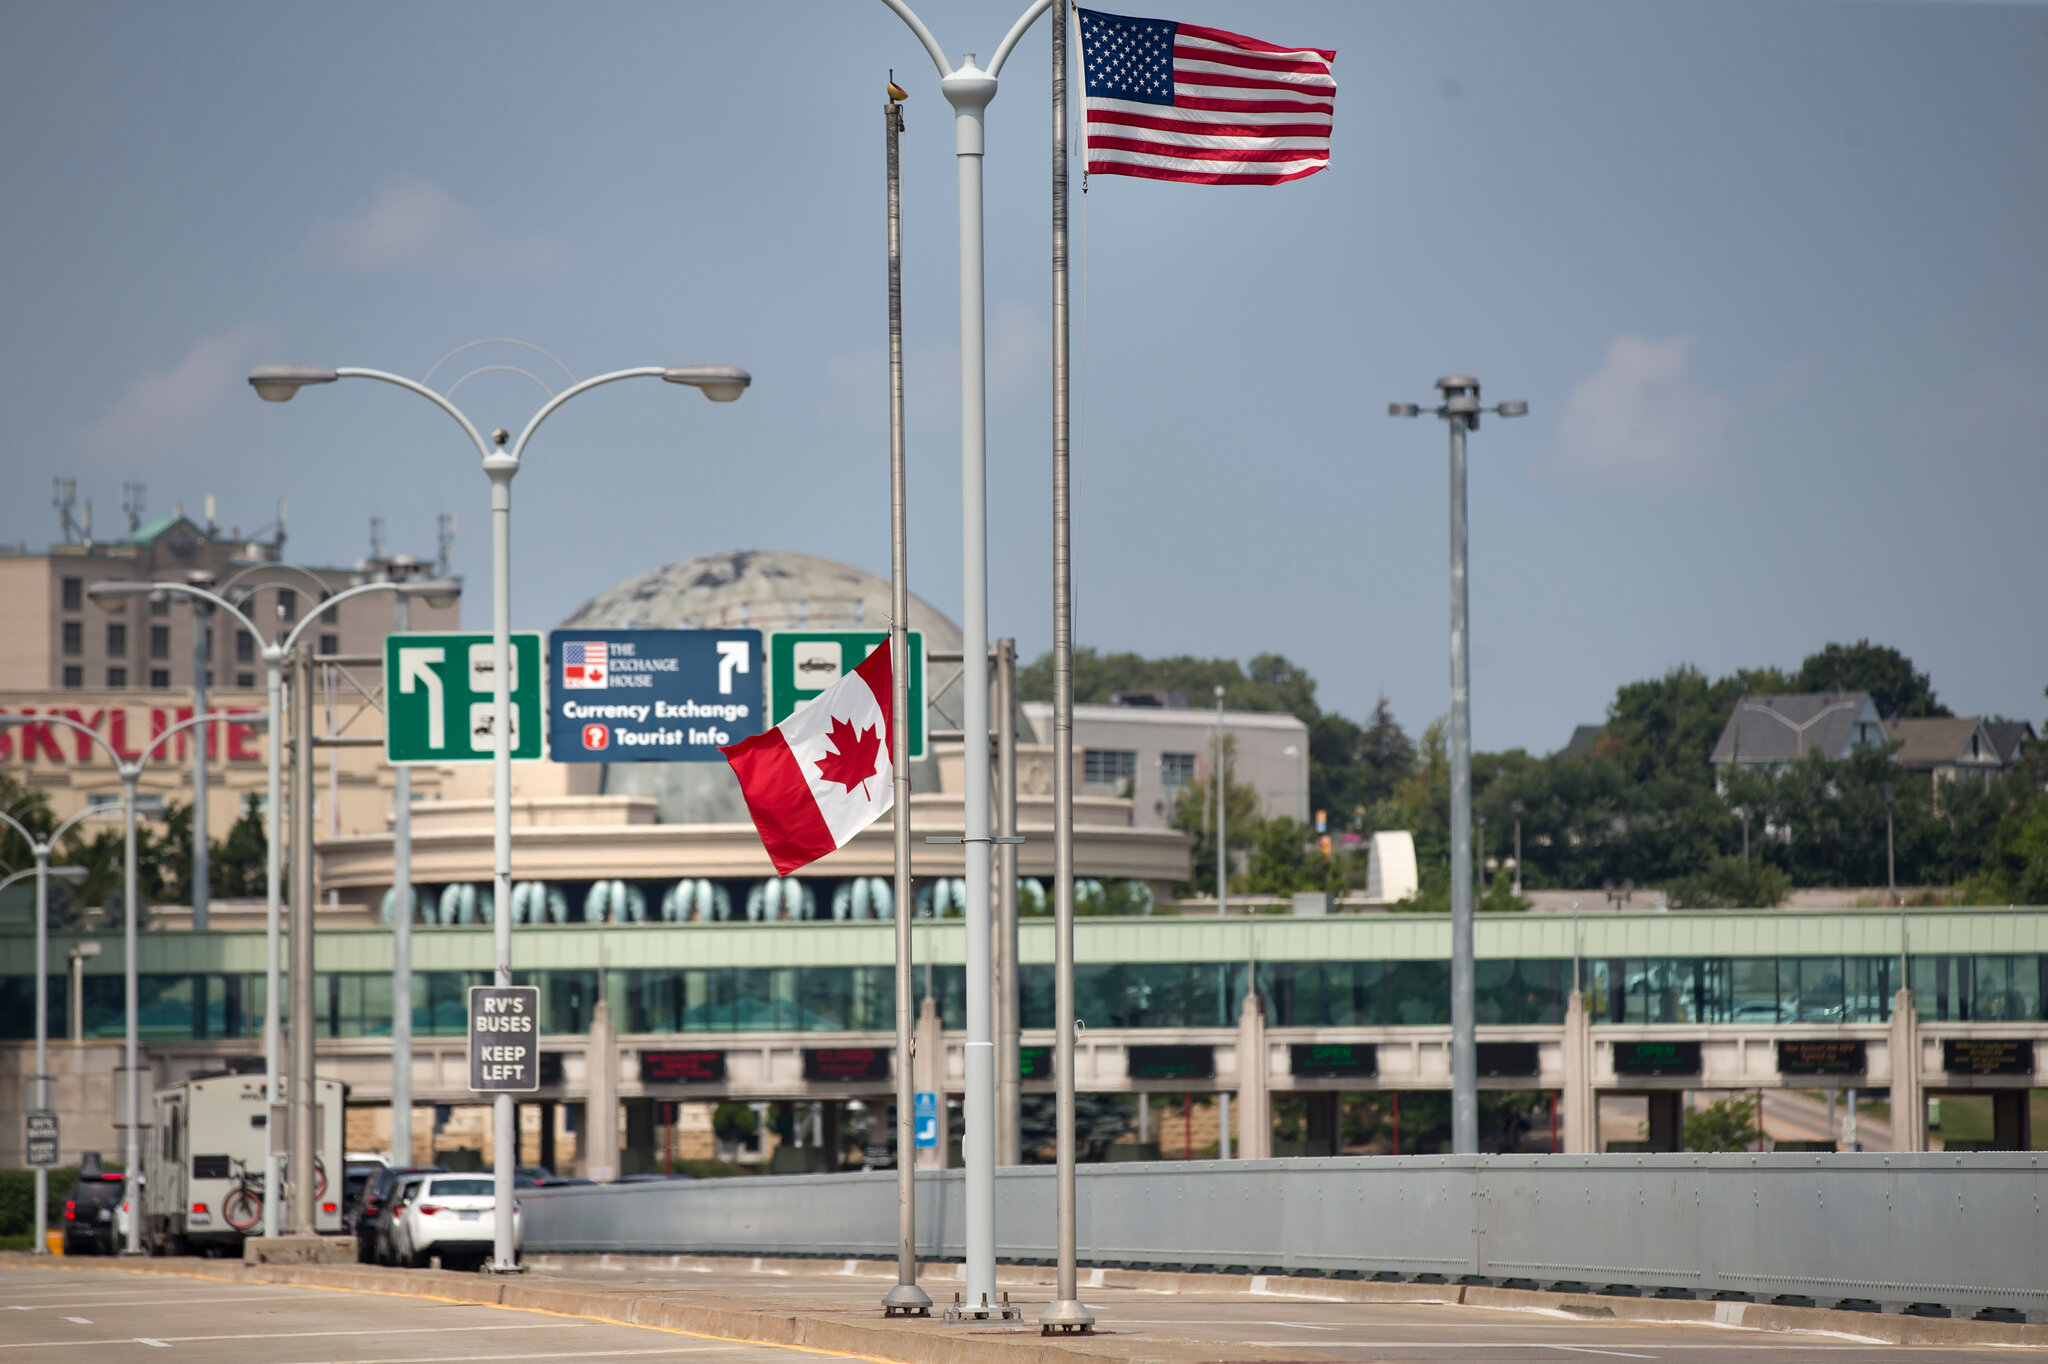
(243, 1207)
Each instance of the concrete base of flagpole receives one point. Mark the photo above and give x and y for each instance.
(1064, 1318)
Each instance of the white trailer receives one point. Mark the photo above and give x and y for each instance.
(205, 1185)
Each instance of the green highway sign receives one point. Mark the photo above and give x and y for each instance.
(437, 698)
(802, 663)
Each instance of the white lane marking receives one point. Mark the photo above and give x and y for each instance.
(1295, 1325)
(556, 1354)
(174, 1300)
(82, 1321)
(145, 1340)
(1589, 1350)
(294, 1335)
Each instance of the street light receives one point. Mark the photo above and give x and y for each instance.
(108, 593)
(500, 455)
(1516, 807)
(1460, 408)
(130, 770)
(43, 871)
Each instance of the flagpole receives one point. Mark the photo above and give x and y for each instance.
(906, 1298)
(1066, 1313)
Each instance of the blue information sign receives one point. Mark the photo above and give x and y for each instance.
(651, 695)
(924, 1109)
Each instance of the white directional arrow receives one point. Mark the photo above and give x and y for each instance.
(417, 664)
(732, 657)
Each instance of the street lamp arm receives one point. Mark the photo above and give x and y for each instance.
(211, 717)
(306, 573)
(548, 408)
(924, 35)
(413, 386)
(23, 830)
(1017, 31)
(87, 813)
(68, 723)
(361, 589)
(215, 599)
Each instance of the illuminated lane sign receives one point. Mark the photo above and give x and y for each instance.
(1656, 1058)
(682, 1067)
(846, 1064)
(1172, 1063)
(1987, 1056)
(1335, 1060)
(1822, 1056)
(1034, 1063)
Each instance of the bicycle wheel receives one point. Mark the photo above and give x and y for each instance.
(243, 1209)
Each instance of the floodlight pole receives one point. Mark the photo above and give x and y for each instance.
(501, 455)
(969, 88)
(41, 848)
(1460, 408)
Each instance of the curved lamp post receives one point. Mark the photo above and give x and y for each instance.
(109, 593)
(501, 455)
(1461, 409)
(42, 871)
(130, 770)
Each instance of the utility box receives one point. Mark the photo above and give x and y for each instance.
(205, 1187)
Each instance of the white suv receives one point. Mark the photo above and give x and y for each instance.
(451, 1216)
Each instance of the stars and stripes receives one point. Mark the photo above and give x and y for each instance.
(585, 664)
(1170, 101)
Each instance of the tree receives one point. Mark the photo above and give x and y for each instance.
(240, 860)
(1724, 1125)
(1730, 883)
(1896, 689)
(1285, 859)
(1099, 1119)
(1194, 812)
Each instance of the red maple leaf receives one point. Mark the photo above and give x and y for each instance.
(854, 761)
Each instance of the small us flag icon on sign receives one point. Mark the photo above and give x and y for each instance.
(584, 666)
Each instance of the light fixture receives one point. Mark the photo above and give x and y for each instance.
(111, 594)
(437, 592)
(720, 383)
(281, 383)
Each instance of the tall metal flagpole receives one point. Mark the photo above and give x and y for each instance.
(906, 1298)
(1066, 1312)
(969, 88)
(401, 940)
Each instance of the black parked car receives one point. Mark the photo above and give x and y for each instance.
(371, 1224)
(91, 1224)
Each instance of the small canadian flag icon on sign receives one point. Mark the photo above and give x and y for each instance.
(597, 736)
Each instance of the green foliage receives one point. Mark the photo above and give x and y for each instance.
(733, 1123)
(1433, 894)
(1099, 1119)
(1194, 812)
(1729, 883)
(1724, 1125)
(1895, 688)
(1286, 859)
(238, 861)
(18, 1199)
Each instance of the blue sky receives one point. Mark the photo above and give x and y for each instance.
(1769, 275)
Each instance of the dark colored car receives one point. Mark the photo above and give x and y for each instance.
(91, 1224)
(371, 1224)
(355, 1182)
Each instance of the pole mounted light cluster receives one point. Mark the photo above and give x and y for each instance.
(1461, 409)
(500, 456)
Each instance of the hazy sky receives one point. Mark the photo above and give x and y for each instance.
(1771, 277)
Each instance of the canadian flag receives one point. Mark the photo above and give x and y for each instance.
(824, 774)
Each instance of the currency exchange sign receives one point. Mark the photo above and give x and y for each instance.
(651, 695)
(438, 705)
(802, 663)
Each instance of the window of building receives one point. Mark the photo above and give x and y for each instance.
(245, 647)
(245, 679)
(287, 603)
(160, 678)
(1176, 769)
(117, 677)
(74, 637)
(117, 640)
(159, 641)
(74, 676)
(74, 594)
(160, 605)
(1107, 766)
(330, 644)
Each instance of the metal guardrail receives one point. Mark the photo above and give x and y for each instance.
(1966, 1231)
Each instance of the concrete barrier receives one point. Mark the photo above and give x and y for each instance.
(1966, 1231)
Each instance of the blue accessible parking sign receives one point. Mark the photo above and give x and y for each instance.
(651, 695)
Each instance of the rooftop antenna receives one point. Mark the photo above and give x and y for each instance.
(444, 535)
(132, 502)
(64, 496)
(279, 541)
(376, 539)
(212, 525)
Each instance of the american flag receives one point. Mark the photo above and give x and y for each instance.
(1170, 101)
(583, 665)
